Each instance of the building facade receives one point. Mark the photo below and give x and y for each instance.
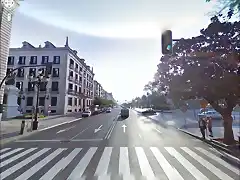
(5, 34)
(70, 88)
(97, 89)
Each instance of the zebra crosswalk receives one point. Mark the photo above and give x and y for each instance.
(106, 163)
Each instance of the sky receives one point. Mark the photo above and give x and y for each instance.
(119, 38)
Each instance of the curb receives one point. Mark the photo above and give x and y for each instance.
(12, 139)
(226, 152)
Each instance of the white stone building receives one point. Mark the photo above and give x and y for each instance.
(5, 34)
(70, 88)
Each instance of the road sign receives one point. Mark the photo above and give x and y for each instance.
(203, 103)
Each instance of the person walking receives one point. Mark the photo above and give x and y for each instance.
(202, 126)
(209, 125)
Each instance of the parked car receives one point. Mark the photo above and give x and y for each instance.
(86, 113)
(212, 114)
(149, 112)
(108, 110)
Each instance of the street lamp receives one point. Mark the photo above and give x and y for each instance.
(40, 78)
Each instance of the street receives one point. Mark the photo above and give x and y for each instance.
(107, 147)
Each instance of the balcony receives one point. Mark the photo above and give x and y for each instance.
(76, 70)
(76, 81)
(71, 91)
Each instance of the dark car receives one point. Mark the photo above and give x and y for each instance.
(149, 112)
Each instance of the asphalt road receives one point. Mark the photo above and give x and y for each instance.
(107, 147)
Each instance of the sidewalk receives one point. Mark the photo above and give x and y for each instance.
(11, 128)
(218, 132)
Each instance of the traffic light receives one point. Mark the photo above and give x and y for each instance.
(48, 69)
(167, 42)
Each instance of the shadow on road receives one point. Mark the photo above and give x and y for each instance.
(121, 118)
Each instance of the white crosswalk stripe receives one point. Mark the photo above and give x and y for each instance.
(50, 163)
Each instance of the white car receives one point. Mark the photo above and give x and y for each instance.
(86, 114)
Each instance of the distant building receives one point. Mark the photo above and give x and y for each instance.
(97, 89)
(70, 88)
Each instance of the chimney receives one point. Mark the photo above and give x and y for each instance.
(66, 44)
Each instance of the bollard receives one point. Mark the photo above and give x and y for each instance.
(22, 127)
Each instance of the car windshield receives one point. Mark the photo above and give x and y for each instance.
(119, 89)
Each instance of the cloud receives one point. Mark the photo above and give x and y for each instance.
(127, 19)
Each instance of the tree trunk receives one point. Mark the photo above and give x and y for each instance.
(228, 132)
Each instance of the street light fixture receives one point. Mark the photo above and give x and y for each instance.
(37, 81)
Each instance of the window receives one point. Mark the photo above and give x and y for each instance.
(8, 71)
(80, 79)
(32, 72)
(41, 101)
(75, 88)
(56, 59)
(44, 59)
(43, 86)
(22, 60)
(30, 86)
(79, 89)
(10, 60)
(79, 102)
(33, 60)
(54, 86)
(29, 101)
(75, 101)
(80, 69)
(55, 72)
(76, 77)
(53, 111)
(71, 73)
(54, 101)
(70, 86)
(19, 85)
(20, 73)
(70, 101)
(42, 70)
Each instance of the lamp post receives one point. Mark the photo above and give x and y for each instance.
(37, 81)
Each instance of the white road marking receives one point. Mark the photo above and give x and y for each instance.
(67, 122)
(219, 160)
(5, 149)
(82, 165)
(34, 169)
(205, 163)
(124, 128)
(61, 165)
(186, 164)
(23, 163)
(79, 133)
(14, 158)
(63, 130)
(104, 177)
(98, 129)
(103, 164)
(10, 153)
(124, 168)
(140, 136)
(143, 163)
(158, 130)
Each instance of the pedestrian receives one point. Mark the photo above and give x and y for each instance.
(202, 126)
(209, 125)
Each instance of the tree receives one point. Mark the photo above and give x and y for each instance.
(206, 66)
(102, 102)
(227, 8)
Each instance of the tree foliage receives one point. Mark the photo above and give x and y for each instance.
(206, 66)
(102, 102)
(228, 8)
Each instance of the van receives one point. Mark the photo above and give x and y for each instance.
(124, 113)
